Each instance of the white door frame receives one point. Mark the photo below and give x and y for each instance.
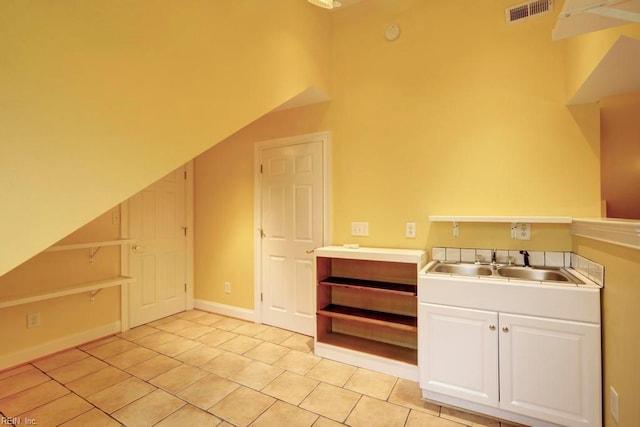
(125, 250)
(325, 138)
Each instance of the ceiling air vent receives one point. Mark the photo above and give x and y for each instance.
(527, 10)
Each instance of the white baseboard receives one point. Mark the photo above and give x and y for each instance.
(31, 353)
(226, 310)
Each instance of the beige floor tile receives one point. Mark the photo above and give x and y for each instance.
(98, 342)
(155, 323)
(467, 419)
(189, 416)
(178, 378)
(153, 367)
(131, 357)
(199, 355)
(208, 319)
(331, 372)
(138, 332)
(97, 381)
(194, 332)
(326, 422)
(370, 412)
(58, 360)
(22, 381)
(256, 375)
(191, 314)
(407, 393)
(31, 398)
(76, 370)
(283, 414)
(117, 396)
(112, 348)
(240, 344)
(250, 329)
(208, 391)
(242, 406)
(16, 370)
(267, 352)
(298, 362)
(229, 323)
(226, 364)
(371, 383)
(274, 335)
(423, 419)
(149, 409)
(216, 337)
(177, 346)
(331, 402)
(299, 342)
(175, 325)
(154, 340)
(93, 418)
(58, 411)
(291, 388)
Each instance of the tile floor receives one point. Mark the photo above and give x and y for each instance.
(202, 369)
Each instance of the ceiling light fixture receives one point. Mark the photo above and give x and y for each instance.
(327, 4)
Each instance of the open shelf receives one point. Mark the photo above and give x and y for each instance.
(370, 285)
(390, 320)
(389, 351)
(88, 245)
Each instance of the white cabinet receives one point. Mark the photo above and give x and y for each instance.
(538, 367)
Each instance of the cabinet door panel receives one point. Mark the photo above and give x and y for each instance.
(458, 351)
(549, 369)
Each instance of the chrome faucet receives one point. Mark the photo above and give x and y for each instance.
(493, 256)
(526, 258)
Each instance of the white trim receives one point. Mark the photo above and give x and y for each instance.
(505, 219)
(325, 138)
(56, 345)
(615, 231)
(189, 200)
(225, 310)
(124, 267)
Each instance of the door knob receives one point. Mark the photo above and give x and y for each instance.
(137, 248)
(492, 327)
(505, 329)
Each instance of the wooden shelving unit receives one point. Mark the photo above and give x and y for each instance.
(367, 307)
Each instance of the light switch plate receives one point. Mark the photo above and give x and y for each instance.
(521, 231)
(359, 228)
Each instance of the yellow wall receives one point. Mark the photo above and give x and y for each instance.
(620, 320)
(462, 115)
(102, 98)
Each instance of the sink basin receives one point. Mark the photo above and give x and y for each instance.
(463, 269)
(542, 274)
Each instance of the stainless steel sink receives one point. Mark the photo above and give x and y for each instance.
(542, 274)
(463, 269)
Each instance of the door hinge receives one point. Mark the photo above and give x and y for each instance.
(260, 296)
(185, 287)
(185, 175)
(185, 230)
(260, 168)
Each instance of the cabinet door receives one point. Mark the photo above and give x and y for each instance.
(550, 369)
(458, 352)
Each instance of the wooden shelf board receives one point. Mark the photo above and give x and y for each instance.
(371, 285)
(503, 219)
(389, 351)
(88, 245)
(395, 321)
(69, 290)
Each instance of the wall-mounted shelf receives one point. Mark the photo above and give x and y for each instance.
(93, 247)
(69, 290)
(503, 219)
(616, 231)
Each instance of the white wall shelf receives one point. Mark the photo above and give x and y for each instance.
(615, 231)
(88, 245)
(502, 219)
(93, 287)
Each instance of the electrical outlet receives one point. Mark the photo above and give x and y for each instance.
(33, 320)
(227, 287)
(613, 401)
(359, 228)
(410, 230)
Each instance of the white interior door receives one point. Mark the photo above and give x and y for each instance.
(157, 223)
(292, 212)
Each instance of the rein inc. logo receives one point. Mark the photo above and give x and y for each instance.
(17, 421)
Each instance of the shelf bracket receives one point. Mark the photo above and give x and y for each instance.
(92, 253)
(92, 295)
(454, 228)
